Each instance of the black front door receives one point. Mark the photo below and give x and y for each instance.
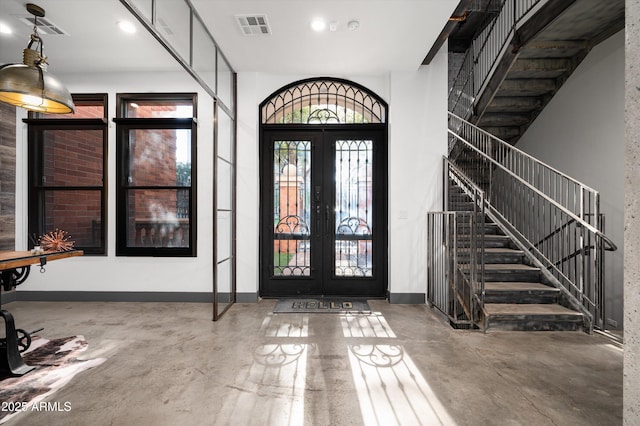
(323, 212)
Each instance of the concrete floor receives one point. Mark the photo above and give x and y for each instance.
(168, 364)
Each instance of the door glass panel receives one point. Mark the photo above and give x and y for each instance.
(353, 208)
(292, 208)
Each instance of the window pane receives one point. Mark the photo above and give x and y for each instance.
(72, 157)
(156, 218)
(77, 212)
(173, 21)
(160, 157)
(83, 109)
(155, 108)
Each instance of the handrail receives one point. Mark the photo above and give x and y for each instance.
(612, 246)
(551, 216)
(519, 151)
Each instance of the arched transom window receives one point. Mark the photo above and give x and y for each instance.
(323, 101)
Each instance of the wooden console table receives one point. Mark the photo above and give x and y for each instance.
(14, 270)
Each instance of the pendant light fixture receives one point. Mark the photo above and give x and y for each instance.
(29, 85)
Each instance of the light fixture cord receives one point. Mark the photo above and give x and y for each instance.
(35, 37)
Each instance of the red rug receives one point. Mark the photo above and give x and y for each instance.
(56, 363)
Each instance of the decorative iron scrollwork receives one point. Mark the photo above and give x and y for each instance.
(323, 116)
(353, 226)
(331, 100)
(292, 225)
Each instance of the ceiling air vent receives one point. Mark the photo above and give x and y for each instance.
(252, 25)
(45, 26)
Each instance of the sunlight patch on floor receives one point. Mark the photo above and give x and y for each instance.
(391, 390)
(374, 325)
(291, 325)
(271, 392)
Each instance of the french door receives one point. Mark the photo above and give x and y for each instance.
(323, 211)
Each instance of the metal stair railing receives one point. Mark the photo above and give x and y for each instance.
(550, 215)
(485, 52)
(455, 251)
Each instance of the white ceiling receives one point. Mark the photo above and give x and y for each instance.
(393, 35)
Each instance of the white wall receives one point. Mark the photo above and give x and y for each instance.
(111, 273)
(417, 140)
(581, 133)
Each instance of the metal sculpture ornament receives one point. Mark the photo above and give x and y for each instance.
(57, 240)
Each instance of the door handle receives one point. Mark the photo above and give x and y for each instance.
(318, 209)
(326, 220)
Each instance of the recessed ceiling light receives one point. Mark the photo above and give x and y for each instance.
(5, 29)
(127, 27)
(318, 25)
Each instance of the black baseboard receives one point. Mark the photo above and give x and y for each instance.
(247, 298)
(407, 298)
(164, 297)
(113, 296)
(7, 297)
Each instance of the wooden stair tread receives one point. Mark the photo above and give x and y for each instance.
(494, 250)
(509, 267)
(528, 309)
(517, 286)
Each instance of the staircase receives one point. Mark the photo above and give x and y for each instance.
(520, 245)
(516, 296)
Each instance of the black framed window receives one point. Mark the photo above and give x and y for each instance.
(67, 157)
(156, 159)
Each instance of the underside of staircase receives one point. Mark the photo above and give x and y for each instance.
(517, 296)
(547, 48)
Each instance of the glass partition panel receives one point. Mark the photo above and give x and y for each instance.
(225, 295)
(223, 236)
(173, 22)
(223, 185)
(204, 54)
(225, 82)
(225, 136)
(225, 227)
(144, 6)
